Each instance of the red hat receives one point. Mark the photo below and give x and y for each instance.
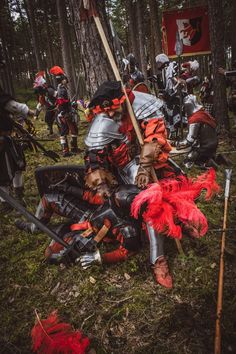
(56, 70)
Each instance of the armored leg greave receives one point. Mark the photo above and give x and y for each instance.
(157, 258)
(156, 244)
(59, 203)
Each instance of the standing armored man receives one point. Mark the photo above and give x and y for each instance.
(46, 99)
(132, 76)
(112, 153)
(65, 118)
(172, 88)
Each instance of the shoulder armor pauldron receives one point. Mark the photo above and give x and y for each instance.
(103, 131)
(145, 105)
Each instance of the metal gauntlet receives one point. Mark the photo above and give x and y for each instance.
(148, 156)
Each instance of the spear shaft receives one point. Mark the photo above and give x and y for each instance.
(217, 350)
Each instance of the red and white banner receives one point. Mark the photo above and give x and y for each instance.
(193, 27)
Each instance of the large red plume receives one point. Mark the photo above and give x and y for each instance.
(56, 70)
(170, 204)
(50, 336)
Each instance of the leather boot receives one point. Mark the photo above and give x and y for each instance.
(161, 273)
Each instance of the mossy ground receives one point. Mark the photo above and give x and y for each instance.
(120, 313)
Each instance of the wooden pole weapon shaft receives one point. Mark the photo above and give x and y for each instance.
(118, 77)
(221, 270)
(129, 107)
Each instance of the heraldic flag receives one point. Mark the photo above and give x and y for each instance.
(193, 27)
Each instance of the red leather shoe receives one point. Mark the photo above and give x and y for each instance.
(162, 274)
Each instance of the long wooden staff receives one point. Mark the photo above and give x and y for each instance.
(129, 107)
(228, 173)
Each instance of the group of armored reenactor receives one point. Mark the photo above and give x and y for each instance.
(58, 108)
(97, 197)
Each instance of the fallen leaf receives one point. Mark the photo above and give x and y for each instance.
(126, 312)
(92, 280)
(127, 276)
(55, 289)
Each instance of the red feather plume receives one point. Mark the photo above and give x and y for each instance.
(56, 70)
(40, 73)
(170, 204)
(50, 336)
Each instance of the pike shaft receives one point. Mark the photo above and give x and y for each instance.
(221, 270)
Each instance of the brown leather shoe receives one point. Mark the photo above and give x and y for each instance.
(161, 272)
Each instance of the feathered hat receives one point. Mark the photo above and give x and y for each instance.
(58, 72)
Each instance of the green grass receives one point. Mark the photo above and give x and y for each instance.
(119, 315)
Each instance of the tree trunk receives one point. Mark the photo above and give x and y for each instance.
(216, 23)
(65, 38)
(131, 10)
(155, 35)
(5, 34)
(141, 38)
(27, 38)
(51, 61)
(96, 66)
(30, 5)
(233, 37)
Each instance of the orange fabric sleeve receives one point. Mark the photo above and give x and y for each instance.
(155, 130)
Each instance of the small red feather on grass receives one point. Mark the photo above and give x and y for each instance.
(170, 204)
(50, 336)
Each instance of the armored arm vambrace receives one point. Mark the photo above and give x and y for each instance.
(193, 132)
(17, 108)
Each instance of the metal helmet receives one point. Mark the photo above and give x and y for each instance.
(131, 58)
(161, 60)
(191, 105)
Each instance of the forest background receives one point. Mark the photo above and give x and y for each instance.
(119, 307)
